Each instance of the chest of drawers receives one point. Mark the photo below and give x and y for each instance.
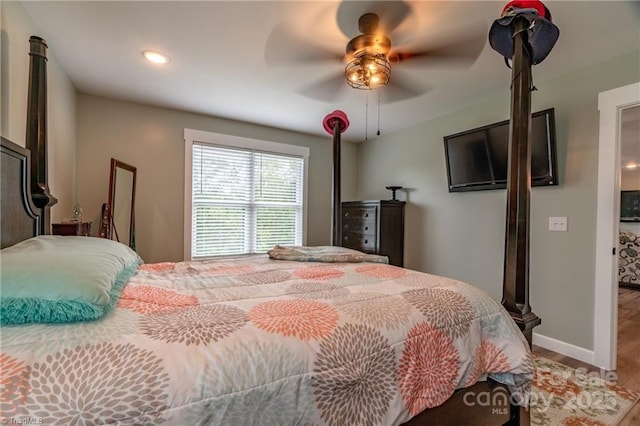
(375, 227)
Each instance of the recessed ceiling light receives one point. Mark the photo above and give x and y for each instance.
(155, 57)
(631, 166)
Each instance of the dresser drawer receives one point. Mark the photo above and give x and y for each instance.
(367, 227)
(361, 242)
(362, 214)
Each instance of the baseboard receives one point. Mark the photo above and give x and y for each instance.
(564, 348)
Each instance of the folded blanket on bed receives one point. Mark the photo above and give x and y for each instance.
(332, 254)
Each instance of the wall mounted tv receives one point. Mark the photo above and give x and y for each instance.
(477, 159)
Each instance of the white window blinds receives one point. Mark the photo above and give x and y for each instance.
(244, 201)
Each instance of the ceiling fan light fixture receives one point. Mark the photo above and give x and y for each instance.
(368, 71)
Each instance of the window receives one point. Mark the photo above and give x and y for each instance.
(243, 196)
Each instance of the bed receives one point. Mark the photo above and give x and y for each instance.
(629, 259)
(330, 338)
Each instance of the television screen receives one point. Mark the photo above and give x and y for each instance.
(477, 159)
(630, 206)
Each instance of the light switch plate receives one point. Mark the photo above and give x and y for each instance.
(558, 224)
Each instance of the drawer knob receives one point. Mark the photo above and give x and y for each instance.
(366, 215)
(346, 214)
(366, 228)
(366, 241)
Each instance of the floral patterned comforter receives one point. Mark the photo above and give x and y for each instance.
(251, 341)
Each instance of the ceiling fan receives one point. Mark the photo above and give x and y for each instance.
(370, 60)
(368, 65)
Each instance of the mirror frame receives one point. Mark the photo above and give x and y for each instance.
(117, 164)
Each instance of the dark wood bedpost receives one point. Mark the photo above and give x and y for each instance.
(509, 36)
(336, 222)
(336, 123)
(515, 295)
(36, 136)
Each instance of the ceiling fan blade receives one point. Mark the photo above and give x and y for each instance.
(391, 14)
(462, 51)
(284, 46)
(328, 90)
(401, 87)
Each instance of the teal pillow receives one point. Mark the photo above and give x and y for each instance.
(55, 279)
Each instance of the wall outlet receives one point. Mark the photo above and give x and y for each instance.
(558, 224)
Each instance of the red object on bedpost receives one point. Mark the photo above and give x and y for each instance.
(336, 123)
(36, 135)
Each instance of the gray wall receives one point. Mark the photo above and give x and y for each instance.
(461, 235)
(152, 140)
(17, 27)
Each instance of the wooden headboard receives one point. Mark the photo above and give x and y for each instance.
(19, 217)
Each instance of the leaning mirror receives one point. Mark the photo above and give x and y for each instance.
(120, 211)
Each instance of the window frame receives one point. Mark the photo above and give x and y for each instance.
(220, 139)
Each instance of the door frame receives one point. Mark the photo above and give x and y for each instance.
(605, 335)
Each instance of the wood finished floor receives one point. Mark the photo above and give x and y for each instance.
(628, 370)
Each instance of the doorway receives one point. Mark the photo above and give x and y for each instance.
(611, 105)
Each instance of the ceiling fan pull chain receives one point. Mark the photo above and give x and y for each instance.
(378, 133)
(366, 117)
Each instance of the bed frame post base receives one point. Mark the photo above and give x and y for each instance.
(518, 416)
(526, 323)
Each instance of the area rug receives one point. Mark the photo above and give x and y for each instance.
(577, 397)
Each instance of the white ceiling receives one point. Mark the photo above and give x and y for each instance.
(228, 58)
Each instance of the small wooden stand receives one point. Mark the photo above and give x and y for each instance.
(80, 229)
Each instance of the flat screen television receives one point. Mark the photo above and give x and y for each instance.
(629, 206)
(477, 159)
